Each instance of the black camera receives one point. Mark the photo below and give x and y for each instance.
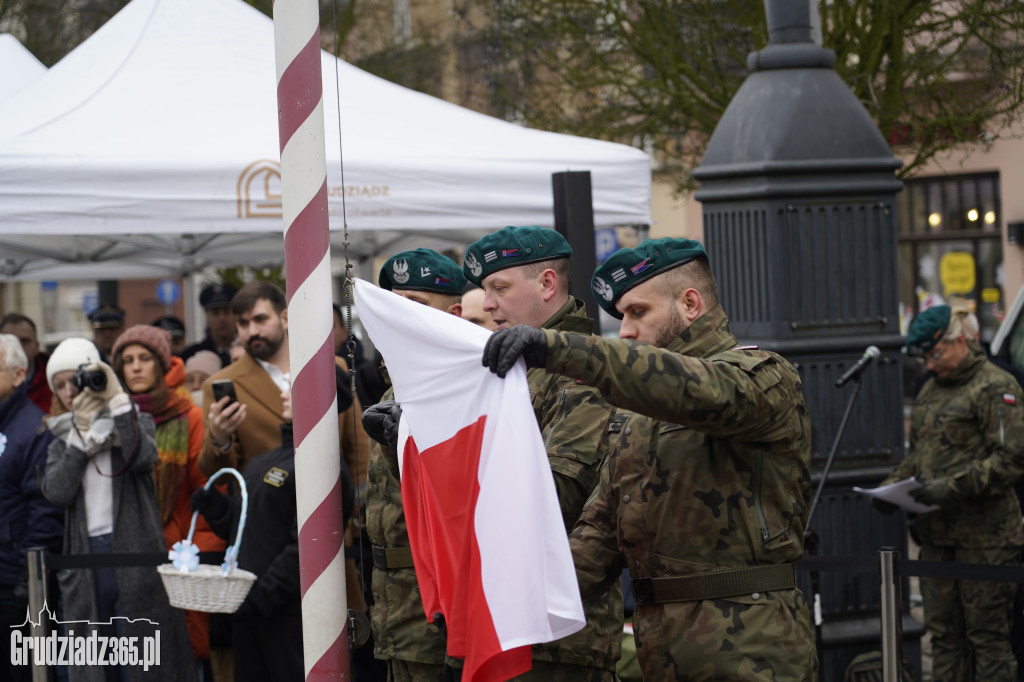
(96, 379)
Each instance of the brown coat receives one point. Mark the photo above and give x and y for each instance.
(260, 433)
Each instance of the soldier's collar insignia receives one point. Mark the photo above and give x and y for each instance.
(275, 477)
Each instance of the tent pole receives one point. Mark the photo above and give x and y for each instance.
(314, 399)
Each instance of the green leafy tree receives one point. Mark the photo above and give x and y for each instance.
(659, 73)
(934, 75)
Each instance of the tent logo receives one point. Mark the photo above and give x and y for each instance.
(259, 190)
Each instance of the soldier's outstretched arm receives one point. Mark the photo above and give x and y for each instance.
(720, 398)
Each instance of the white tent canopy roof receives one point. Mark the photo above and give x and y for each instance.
(18, 66)
(163, 126)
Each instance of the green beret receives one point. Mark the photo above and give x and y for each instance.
(628, 267)
(512, 246)
(422, 270)
(928, 329)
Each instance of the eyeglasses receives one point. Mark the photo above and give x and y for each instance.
(935, 356)
(9, 369)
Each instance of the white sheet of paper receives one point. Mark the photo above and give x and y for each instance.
(898, 493)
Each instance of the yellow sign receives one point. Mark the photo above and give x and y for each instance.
(990, 295)
(956, 271)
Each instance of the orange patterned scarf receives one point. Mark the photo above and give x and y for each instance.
(169, 403)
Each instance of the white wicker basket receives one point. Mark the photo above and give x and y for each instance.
(207, 588)
(213, 589)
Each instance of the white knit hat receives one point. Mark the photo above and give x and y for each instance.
(70, 354)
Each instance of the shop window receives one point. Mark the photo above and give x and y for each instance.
(950, 248)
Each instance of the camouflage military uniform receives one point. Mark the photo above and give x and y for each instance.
(967, 429)
(715, 477)
(574, 421)
(413, 647)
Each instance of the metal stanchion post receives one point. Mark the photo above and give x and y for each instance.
(892, 620)
(36, 560)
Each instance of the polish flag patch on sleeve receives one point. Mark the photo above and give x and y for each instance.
(1009, 399)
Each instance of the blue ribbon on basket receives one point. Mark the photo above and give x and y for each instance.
(230, 560)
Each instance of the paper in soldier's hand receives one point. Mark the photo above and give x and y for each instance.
(898, 493)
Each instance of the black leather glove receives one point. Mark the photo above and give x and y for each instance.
(938, 492)
(210, 502)
(505, 346)
(380, 422)
(884, 507)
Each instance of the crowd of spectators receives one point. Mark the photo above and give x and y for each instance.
(106, 446)
(100, 453)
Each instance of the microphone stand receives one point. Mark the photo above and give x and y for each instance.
(811, 539)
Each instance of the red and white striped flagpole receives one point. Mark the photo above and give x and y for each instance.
(310, 317)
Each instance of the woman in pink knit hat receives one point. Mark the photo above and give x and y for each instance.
(142, 358)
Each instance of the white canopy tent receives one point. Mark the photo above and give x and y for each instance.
(18, 66)
(152, 149)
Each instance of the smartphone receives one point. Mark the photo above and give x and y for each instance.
(224, 387)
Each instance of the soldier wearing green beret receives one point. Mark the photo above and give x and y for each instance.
(705, 493)
(524, 272)
(967, 445)
(413, 648)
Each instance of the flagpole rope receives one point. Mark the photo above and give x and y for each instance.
(356, 622)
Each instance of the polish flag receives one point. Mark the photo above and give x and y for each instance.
(486, 532)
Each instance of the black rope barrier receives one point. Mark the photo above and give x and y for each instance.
(948, 570)
(839, 564)
(956, 571)
(57, 562)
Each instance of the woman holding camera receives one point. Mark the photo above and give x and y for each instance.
(100, 469)
(142, 358)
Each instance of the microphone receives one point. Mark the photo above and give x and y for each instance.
(870, 353)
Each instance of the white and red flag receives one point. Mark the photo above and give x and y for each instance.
(485, 528)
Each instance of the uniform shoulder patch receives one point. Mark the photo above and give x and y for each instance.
(275, 477)
(1009, 399)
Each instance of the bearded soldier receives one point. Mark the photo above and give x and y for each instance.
(704, 495)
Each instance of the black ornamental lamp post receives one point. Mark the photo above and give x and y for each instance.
(798, 192)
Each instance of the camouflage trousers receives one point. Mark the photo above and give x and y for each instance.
(546, 671)
(761, 636)
(409, 671)
(970, 621)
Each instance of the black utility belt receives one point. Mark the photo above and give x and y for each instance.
(392, 557)
(715, 584)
